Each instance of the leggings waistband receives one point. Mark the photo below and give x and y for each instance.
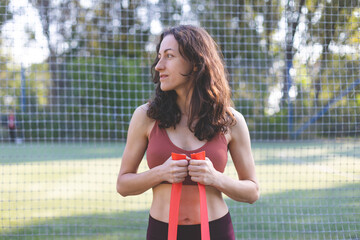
(220, 229)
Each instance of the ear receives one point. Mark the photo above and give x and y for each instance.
(195, 69)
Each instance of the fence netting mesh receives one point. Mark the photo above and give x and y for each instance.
(73, 71)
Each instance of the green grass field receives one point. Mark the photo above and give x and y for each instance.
(310, 190)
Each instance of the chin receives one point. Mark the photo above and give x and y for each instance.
(164, 88)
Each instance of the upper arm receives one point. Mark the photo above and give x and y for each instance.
(240, 149)
(137, 140)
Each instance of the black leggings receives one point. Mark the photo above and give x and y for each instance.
(220, 229)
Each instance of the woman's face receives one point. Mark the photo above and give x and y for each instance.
(172, 66)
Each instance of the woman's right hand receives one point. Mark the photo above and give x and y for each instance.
(175, 171)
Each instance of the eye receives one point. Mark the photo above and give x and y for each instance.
(167, 55)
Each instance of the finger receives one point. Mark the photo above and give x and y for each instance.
(182, 175)
(193, 168)
(178, 177)
(194, 162)
(182, 171)
(195, 179)
(193, 174)
(182, 163)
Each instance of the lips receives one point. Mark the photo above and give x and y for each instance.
(163, 76)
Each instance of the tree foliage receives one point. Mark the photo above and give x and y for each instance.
(287, 60)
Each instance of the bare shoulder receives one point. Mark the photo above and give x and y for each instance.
(140, 111)
(240, 129)
(238, 116)
(141, 121)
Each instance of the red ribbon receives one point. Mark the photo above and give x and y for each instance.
(205, 232)
(175, 203)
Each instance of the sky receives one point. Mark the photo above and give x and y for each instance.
(25, 52)
(15, 39)
(22, 51)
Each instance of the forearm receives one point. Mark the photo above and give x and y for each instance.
(137, 183)
(238, 190)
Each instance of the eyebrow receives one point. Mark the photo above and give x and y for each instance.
(166, 50)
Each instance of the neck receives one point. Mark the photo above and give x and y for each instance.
(183, 101)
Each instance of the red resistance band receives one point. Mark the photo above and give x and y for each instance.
(175, 203)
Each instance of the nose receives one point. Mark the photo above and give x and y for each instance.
(159, 66)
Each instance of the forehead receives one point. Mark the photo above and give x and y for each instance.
(169, 42)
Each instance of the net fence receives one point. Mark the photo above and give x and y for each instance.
(73, 71)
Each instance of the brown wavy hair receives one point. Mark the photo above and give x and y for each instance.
(210, 100)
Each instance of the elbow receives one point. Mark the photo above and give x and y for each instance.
(255, 195)
(121, 190)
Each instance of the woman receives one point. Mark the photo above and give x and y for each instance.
(190, 112)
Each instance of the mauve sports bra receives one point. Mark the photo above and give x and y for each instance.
(160, 148)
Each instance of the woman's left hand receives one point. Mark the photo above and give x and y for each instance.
(202, 171)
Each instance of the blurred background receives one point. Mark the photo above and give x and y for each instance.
(73, 71)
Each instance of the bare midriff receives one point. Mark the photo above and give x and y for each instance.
(189, 211)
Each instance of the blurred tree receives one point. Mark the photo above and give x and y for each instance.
(52, 17)
(292, 17)
(259, 39)
(260, 59)
(244, 30)
(73, 30)
(331, 23)
(105, 93)
(332, 32)
(5, 15)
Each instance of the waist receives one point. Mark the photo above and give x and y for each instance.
(189, 210)
(225, 218)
